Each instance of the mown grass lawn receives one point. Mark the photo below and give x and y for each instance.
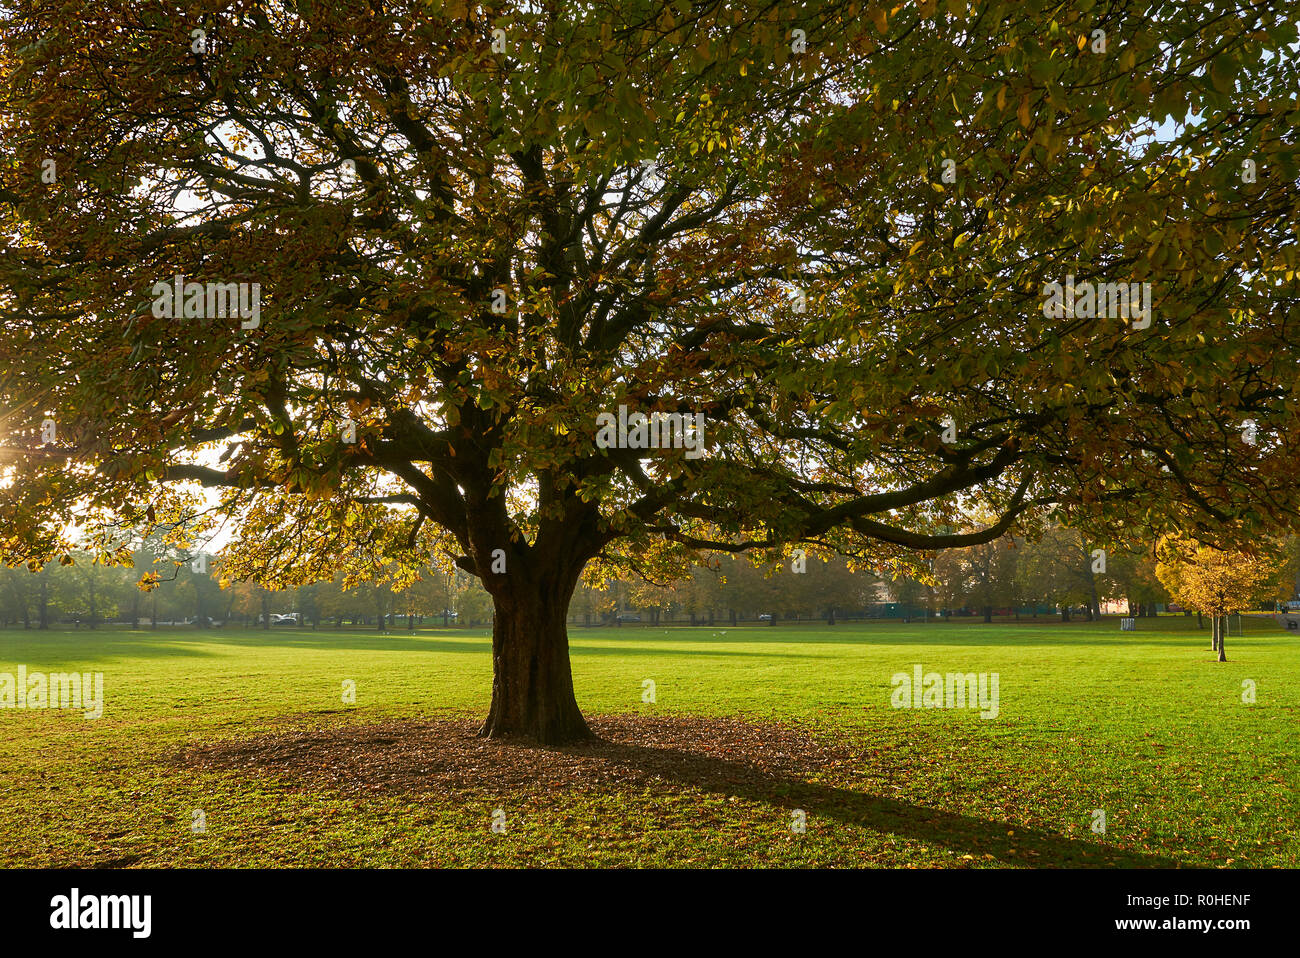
(1144, 726)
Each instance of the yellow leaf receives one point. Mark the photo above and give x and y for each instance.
(1023, 112)
(880, 18)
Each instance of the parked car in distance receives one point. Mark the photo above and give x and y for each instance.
(628, 617)
(288, 618)
(765, 617)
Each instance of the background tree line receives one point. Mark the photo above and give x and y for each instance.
(162, 588)
(1056, 573)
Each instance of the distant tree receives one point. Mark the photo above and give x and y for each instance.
(199, 593)
(1218, 581)
(592, 602)
(983, 575)
(254, 602)
(473, 602)
(1055, 568)
(1131, 575)
(432, 594)
(910, 593)
(17, 591)
(654, 598)
(1289, 569)
(90, 588)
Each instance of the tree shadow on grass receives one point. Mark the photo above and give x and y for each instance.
(766, 764)
(1008, 843)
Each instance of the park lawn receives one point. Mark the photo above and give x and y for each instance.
(1144, 726)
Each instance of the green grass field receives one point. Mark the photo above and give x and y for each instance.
(250, 727)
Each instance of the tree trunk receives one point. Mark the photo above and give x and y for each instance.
(45, 605)
(1222, 629)
(532, 686)
(988, 613)
(1065, 613)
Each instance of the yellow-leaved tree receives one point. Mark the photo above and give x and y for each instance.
(1217, 582)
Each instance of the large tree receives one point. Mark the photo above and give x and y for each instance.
(828, 228)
